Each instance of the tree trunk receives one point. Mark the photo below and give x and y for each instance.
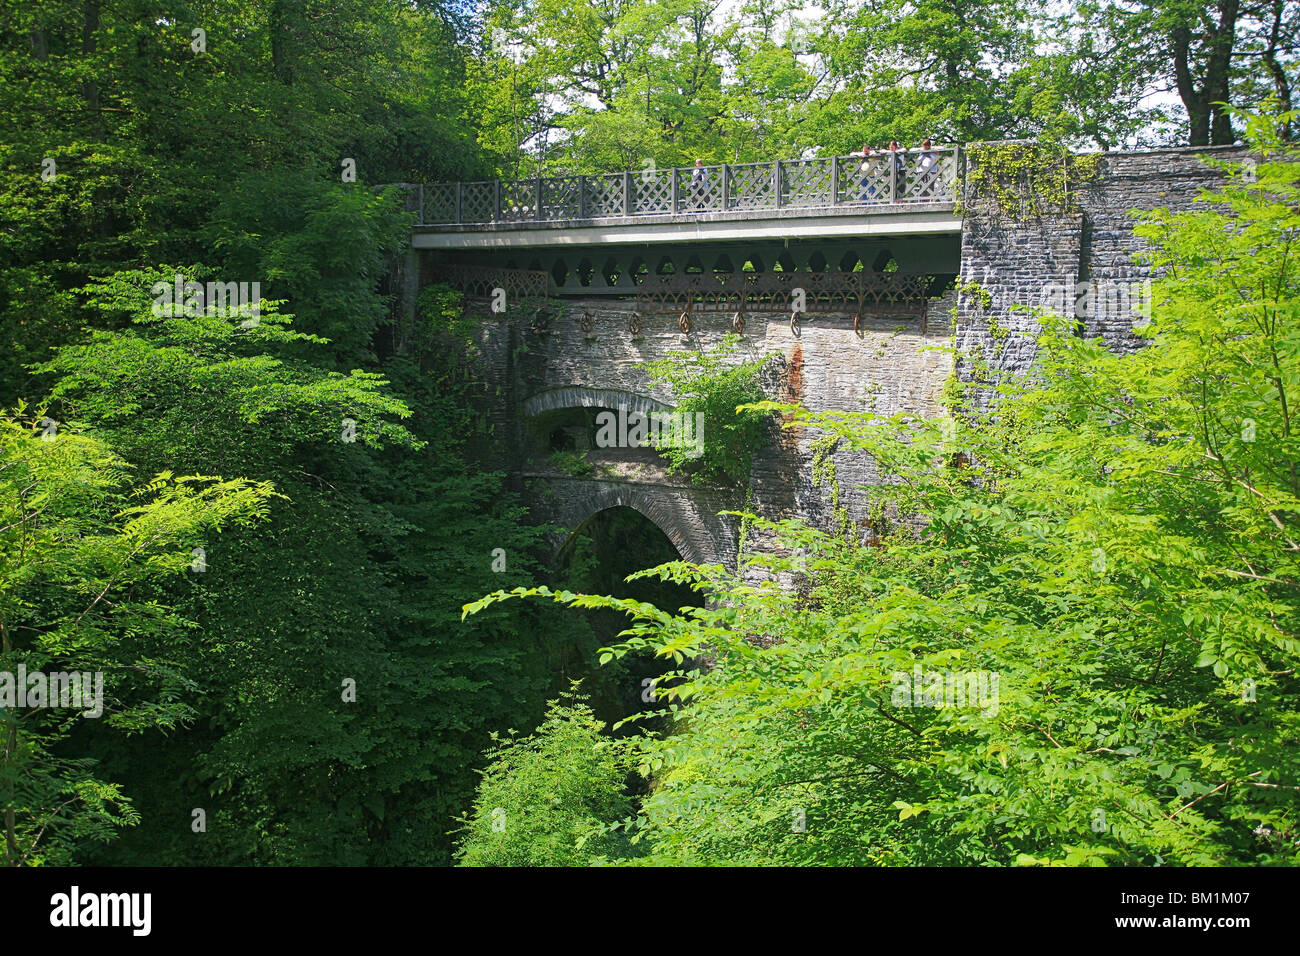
(1217, 89)
(1198, 114)
(89, 88)
(1281, 84)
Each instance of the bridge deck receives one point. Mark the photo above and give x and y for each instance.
(913, 218)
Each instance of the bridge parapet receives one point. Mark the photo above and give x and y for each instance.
(885, 179)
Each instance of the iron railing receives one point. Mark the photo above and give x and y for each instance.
(907, 176)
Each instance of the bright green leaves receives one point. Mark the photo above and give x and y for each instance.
(83, 552)
(720, 395)
(553, 798)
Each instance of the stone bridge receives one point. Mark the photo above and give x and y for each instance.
(845, 278)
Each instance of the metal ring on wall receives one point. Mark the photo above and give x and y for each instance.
(794, 322)
(857, 321)
(634, 323)
(738, 323)
(586, 323)
(684, 322)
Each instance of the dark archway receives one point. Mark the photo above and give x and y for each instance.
(597, 558)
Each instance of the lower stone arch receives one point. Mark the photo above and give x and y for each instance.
(687, 516)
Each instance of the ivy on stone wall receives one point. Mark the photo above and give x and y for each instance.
(824, 474)
(1024, 180)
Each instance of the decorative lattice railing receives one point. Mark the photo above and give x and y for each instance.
(483, 282)
(737, 294)
(810, 292)
(907, 176)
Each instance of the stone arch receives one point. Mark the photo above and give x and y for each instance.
(687, 516)
(661, 515)
(578, 396)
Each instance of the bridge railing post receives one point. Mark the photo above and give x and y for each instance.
(420, 218)
(628, 193)
(460, 202)
(582, 197)
(496, 201)
(726, 187)
(835, 181)
(677, 193)
(893, 177)
(537, 199)
(777, 183)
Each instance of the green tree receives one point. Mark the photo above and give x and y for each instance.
(552, 797)
(1214, 56)
(83, 549)
(711, 388)
(373, 550)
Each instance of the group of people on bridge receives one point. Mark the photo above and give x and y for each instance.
(893, 159)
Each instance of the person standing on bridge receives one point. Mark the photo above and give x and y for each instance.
(699, 185)
(868, 166)
(899, 168)
(927, 169)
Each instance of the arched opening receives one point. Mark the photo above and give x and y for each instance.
(560, 440)
(596, 558)
(611, 272)
(884, 262)
(586, 433)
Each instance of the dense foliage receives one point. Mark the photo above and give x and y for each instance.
(716, 432)
(551, 798)
(586, 86)
(306, 683)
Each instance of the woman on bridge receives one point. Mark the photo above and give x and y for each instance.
(699, 185)
(927, 169)
(868, 186)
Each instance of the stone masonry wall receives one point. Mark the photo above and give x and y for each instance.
(891, 364)
(1034, 262)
